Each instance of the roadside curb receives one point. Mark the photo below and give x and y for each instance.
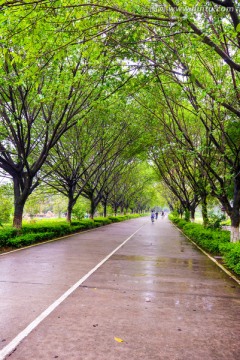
(210, 257)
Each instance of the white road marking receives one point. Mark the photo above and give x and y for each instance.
(14, 343)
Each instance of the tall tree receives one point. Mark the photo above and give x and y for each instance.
(48, 84)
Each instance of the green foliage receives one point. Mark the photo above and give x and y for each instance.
(78, 211)
(6, 234)
(174, 215)
(215, 220)
(208, 239)
(232, 258)
(187, 215)
(102, 221)
(50, 229)
(84, 223)
(58, 229)
(29, 239)
(123, 217)
(54, 65)
(226, 222)
(6, 203)
(5, 210)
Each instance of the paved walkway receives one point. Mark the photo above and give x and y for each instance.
(156, 298)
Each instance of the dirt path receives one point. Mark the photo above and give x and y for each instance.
(157, 293)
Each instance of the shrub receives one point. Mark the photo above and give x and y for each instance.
(76, 228)
(215, 220)
(58, 229)
(232, 258)
(119, 218)
(78, 212)
(7, 234)
(115, 218)
(49, 229)
(174, 214)
(102, 221)
(208, 239)
(29, 239)
(87, 223)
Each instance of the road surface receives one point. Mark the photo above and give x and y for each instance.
(130, 290)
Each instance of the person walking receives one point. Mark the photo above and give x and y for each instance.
(156, 215)
(152, 216)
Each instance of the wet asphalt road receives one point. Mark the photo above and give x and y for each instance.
(157, 294)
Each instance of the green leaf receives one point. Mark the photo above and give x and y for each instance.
(238, 28)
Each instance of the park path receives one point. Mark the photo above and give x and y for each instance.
(156, 298)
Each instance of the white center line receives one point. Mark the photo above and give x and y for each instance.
(14, 343)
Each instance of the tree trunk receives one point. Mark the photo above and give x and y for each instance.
(233, 213)
(192, 208)
(105, 209)
(192, 213)
(235, 233)
(69, 210)
(92, 208)
(18, 214)
(171, 208)
(21, 193)
(204, 211)
(235, 216)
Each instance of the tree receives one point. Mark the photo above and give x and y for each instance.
(43, 94)
(202, 56)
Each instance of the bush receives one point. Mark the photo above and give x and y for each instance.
(49, 229)
(115, 218)
(119, 218)
(7, 234)
(78, 212)
(29, 239)
(102, 221)
(208, 239)
(58, 229)
(215, 220)
(174, 214)
(86, 223)
(232, 258)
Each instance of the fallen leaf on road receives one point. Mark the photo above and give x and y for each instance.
(118, 339)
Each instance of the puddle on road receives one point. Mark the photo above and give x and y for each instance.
(203, 266)
(132, 258)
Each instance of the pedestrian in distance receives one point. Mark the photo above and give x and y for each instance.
(156, 215)
(152, 216)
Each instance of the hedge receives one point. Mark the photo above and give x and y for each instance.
(50, 229)
(29, 239)
(7, 234)
(213, 241)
